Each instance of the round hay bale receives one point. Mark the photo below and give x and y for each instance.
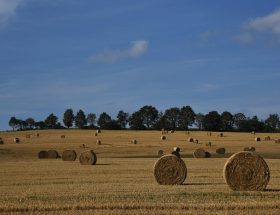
(253, 132)
(95, 134)
(257, 139)
(37, 134)
(199, 153)
(160, 152)
(98, 131)
(27, 136)
(1, 141)
(16, 140)
(277, 141)
(176, 153)
(190, 139)
(88, 158)
(252, 149)
(98, 142)
(246, 171)
(207, 154)
(163, 137)
(52, 154)
(195, 141)
(69, 155)
(267, 138)
(246, 149)
(209, 144)
(43, 154)
(221, 134)
(62, 136)
(170, 170)
(171, 131)
(134, 141)
(221, 151)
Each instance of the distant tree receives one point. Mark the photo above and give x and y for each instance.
(252, 124)
(212, 121)
(172, 117)
(51, 121)
(149, 115)
(186, 117)
(122, 118)
(40, 125)
(13, 122)
(136, 121)
(272, 121)
(80, 119)
(68, 118)
(238, 118)
(227, 121)
(161, 122)
(91, 118)
(104, 120)
(199, 121)
(30, 123)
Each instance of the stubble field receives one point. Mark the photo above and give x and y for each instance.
(122, 181)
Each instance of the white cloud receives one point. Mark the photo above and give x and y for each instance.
(137, 49)
(8, 10)
(244, 38)
(270, 22)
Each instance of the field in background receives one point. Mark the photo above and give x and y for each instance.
(122, 182)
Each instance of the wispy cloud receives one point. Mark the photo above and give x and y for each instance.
(244, 38)
(8, 10)
(137, 49)
(270, 22)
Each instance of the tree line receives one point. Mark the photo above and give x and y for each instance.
(149, 118)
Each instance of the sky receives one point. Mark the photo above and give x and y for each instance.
(108, 55)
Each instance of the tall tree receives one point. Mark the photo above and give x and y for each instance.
(227, 121)
(149, 115)
(104, 121)
(51, 121)
(199, 121)
(172, 117)
(30, 122)
(122, 118)
(187, 117)
(91, 118)
(13, 122)
(272, 121)
(238, 118)
(68, 118)
(80, 119)
(136, 121)
(212, 121)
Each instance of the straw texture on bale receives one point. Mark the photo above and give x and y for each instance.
(199, 153)
(160, 152)
(88, 158)
(257, 139)
(190, 139)
(69, 155)
(221, 151)
(43, 154)
(170, 170)
(163, 137)
(52, 154)
(16, 140)
(246, 171)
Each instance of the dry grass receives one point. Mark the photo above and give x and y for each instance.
(122, 181)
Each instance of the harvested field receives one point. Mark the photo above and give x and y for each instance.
(122, 181)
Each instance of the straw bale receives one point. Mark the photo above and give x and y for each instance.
(88, 158)
(69, 155)
(199, 153)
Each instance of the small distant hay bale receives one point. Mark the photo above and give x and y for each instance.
(16, 140)
(190, 139)
(199, 153)
(134, 141)
(207, 154)
(160, 153)
(246, 171)
(277, 141)
(257, 139)
(95, 134)
(221, 151)
(196, 141)
(171, 131)
(252, 149)
(163, 137)
(209, 144)
(88, 158)
(221, 134)
(52, 154)
(69, 155)
(170, 170)
(62, 136)
(98, 142)
(253, 132)
(267, 138)
(37, 134)
(43, 154)
(98, 131)
(188, 132)
(1, 141)
(246, 149)
(27, 136)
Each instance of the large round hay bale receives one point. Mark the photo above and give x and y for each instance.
(160, 152)
(16, 140)
(163, 137)
(170, 170)
(52, 154)
(257, 139)
(43, 154)
(207, 154)
(199, 153)
(88, 158)
(246, 171)
(190, 139)
(221, 151)
(69, 155)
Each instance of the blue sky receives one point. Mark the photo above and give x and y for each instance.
(121, 55)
